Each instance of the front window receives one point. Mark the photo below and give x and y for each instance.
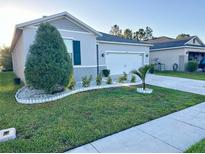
(69, 46)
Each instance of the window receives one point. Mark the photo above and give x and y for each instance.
(73, 48)
(194, 41)
(69, 46)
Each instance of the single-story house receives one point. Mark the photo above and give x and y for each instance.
(169, 51)
(91, 51)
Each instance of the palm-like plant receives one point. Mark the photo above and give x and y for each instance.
(141, 72)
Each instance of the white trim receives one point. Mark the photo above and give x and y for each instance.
(167, 48)
(124, 43)
(194, 47)
(87, 66)
(62, 30)
(68, 38)
(73, 31)
(125, 52)
(30, 23)
(177, 48)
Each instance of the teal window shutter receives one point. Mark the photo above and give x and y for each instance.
(76, 53)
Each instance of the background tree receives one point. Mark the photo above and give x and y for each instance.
(115, 30)
(127, 33)
(148, 33)
(48, 66)
(181, 36)
(136, 35)
(5, 59)
(140, 34)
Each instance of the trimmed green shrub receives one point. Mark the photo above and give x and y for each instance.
(191, 66)
(106, 72)
(72, 83)
(49, 65)
(133, 79)
(86, 81)
(109, 80)
(5, 59)
(122, 78)
(99, 79)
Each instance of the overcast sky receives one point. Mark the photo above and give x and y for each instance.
(165, 17)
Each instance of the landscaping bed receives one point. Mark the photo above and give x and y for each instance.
(189, 75)
(29, 95)
(81, 118)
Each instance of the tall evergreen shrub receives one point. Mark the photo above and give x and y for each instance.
(49, 65)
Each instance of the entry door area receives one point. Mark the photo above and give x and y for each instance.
(118, 63)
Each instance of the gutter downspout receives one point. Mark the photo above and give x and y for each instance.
(97, 50)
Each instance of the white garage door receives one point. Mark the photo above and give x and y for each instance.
(118, 63)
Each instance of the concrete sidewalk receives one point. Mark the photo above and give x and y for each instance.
(187, 85)
(173, 133)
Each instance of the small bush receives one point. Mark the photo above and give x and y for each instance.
(109, 80)
(133, 79)
(191, 66)
(122, 78)
(86, 81)
(151, 70)
(72, 83)
(106, 72)
(125, 76)
(99, 79)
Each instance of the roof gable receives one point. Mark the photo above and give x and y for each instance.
(66, 24)
(195, 41)
(54, 17)
(176, 43)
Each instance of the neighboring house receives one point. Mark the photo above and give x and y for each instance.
(169, 51)
(91, 51)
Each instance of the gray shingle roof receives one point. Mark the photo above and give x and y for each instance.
(174, 43)
(112, 38)
(160, 39)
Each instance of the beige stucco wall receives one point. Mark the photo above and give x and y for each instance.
(87, 43)
(18, 58)
(168, 57)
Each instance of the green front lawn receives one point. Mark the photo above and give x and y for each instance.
(197, 148)
(84, 117)
(189, 75)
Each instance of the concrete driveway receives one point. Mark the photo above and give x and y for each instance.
(187, 85)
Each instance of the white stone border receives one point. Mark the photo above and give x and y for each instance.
(67, 93)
